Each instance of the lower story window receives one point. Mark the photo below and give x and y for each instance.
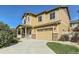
(19, 31)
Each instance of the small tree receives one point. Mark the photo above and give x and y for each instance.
(75, 37)
(64, 37)
(4, 26)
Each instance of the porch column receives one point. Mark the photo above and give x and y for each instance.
(17, 32)
(21, 32)
(25, 32)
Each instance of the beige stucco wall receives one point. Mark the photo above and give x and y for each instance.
(33, 21)
(65, 22)
(46, 18)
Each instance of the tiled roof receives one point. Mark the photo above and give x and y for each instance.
(47, 12)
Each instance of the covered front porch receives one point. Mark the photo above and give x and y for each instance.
(23, 31)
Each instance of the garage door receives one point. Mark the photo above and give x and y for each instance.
(45, 34)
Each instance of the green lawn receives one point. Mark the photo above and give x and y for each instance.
(62, 48)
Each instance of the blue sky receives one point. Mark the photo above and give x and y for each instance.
(11, 14)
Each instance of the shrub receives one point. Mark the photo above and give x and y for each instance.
(75, 37)
(64, 37)
(15, 40)
(6, 37)
(13, 32)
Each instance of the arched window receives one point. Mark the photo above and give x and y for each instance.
(19, 31)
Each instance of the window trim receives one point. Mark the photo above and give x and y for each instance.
(54, 15)
(39, 16)
(24, 21)
(29, 18)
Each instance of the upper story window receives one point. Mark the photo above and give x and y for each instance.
(52, 15)
(24, 21)
(28, 18)
(39, 18)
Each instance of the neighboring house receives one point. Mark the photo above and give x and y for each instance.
(75, 26)
(47, 25)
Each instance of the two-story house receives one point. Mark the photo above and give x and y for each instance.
(47, 25)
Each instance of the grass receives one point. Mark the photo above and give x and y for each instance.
(62, 48)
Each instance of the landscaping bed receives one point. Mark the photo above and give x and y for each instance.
(63, 48)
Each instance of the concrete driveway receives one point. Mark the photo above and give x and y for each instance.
(29, 46)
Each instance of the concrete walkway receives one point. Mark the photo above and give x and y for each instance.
(29, 46)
